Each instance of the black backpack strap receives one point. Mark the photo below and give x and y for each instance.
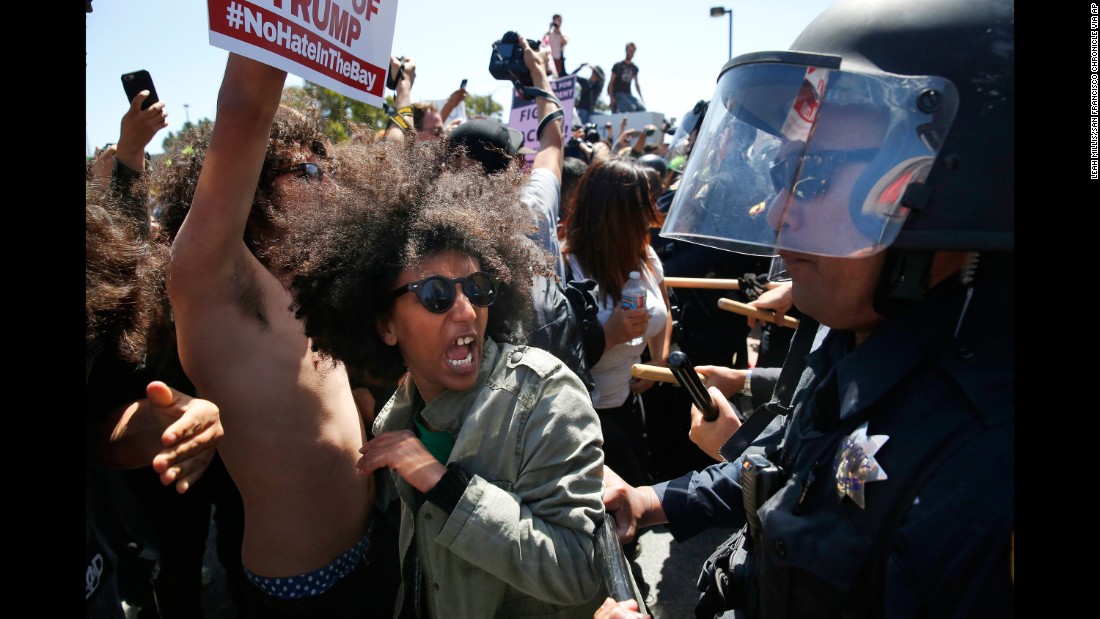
(781, 397)
(583, 294)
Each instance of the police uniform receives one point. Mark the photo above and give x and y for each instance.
(932, 413)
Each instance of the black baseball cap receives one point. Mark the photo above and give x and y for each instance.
(489, 142)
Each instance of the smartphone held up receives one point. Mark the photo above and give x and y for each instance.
(137, 81)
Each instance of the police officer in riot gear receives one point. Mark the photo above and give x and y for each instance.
(879, 479)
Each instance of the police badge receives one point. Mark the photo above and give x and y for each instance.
(855, 463)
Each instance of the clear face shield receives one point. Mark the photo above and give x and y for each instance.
(795, 154)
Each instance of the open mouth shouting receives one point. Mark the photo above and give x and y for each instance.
(460, 354)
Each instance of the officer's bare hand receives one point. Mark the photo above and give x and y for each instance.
(728, 380)
(711, 435)
(633, 508)
(777, 299)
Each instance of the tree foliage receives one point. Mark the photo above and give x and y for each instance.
(482, 105)
(339, 112)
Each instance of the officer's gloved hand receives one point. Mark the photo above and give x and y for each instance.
(752, 286)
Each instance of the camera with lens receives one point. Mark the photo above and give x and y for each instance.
(591, 133)
(506, 62)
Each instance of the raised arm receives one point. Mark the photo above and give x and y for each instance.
(624, 138)
(456, 97)
(551, 146)
(639, 145)
(402, 97)
(137, 130)
(209, 250)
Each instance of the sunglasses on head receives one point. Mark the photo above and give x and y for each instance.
(437, 293)
(436, 131)
(307, 170)
(813, 171)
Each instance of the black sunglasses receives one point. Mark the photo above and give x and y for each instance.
(813, 171)
(307, 170)
(437, 293)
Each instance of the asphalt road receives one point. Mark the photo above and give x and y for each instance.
(671, 569)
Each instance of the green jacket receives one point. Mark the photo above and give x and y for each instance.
(520, 542)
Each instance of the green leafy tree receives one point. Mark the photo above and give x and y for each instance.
(339, 112)
(482, 105)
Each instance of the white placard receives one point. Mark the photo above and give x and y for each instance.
(343, 45)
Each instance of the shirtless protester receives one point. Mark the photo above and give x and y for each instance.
(292, 429)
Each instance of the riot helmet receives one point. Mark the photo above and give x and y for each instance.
(655, 161)
(684, 137)
(887, 124)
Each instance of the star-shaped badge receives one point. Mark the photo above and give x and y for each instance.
(855, 463)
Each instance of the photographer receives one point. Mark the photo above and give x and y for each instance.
(583, 142)
(590, 89)
(556, 40)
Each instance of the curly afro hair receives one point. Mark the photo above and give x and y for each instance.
(172, 182)
(392, 207)
(126, 307)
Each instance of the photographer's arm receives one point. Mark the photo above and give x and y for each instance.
(456, 97)
(639, 145)
(402, 98)
(551, 146)
(624, 138)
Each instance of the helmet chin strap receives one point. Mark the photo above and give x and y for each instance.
(903, 280)
(905, 277)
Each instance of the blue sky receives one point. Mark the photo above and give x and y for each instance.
(681, 48)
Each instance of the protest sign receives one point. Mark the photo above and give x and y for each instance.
(524, 114)
(343, 45)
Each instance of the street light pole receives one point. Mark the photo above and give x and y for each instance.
(187, 113)
(719, 11)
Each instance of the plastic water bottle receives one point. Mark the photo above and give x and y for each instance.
(634, 296)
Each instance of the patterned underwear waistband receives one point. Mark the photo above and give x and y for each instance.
(312, 583)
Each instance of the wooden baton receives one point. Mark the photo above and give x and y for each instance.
(760, 314)
(712, 283)
(654, 372)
